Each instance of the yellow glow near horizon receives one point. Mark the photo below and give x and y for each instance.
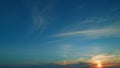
(99, 65)
(100, 59)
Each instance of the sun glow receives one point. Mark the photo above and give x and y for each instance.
(99, 60)
(99, 65)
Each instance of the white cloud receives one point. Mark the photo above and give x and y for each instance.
(101, 57)
(111, 31)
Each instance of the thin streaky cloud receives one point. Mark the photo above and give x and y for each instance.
(99, 20)
(107, 31)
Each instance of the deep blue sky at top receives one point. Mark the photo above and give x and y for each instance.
(41, 28)
(16, 15)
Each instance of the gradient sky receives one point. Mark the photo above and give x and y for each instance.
(47, 31)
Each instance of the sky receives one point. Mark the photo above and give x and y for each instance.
(62, 32)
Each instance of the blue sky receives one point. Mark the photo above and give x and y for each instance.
(47, 31)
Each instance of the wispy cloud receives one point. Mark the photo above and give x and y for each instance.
(95, 20)
(95, 33)
(101, 57)
(40, 16)
(92, 21)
